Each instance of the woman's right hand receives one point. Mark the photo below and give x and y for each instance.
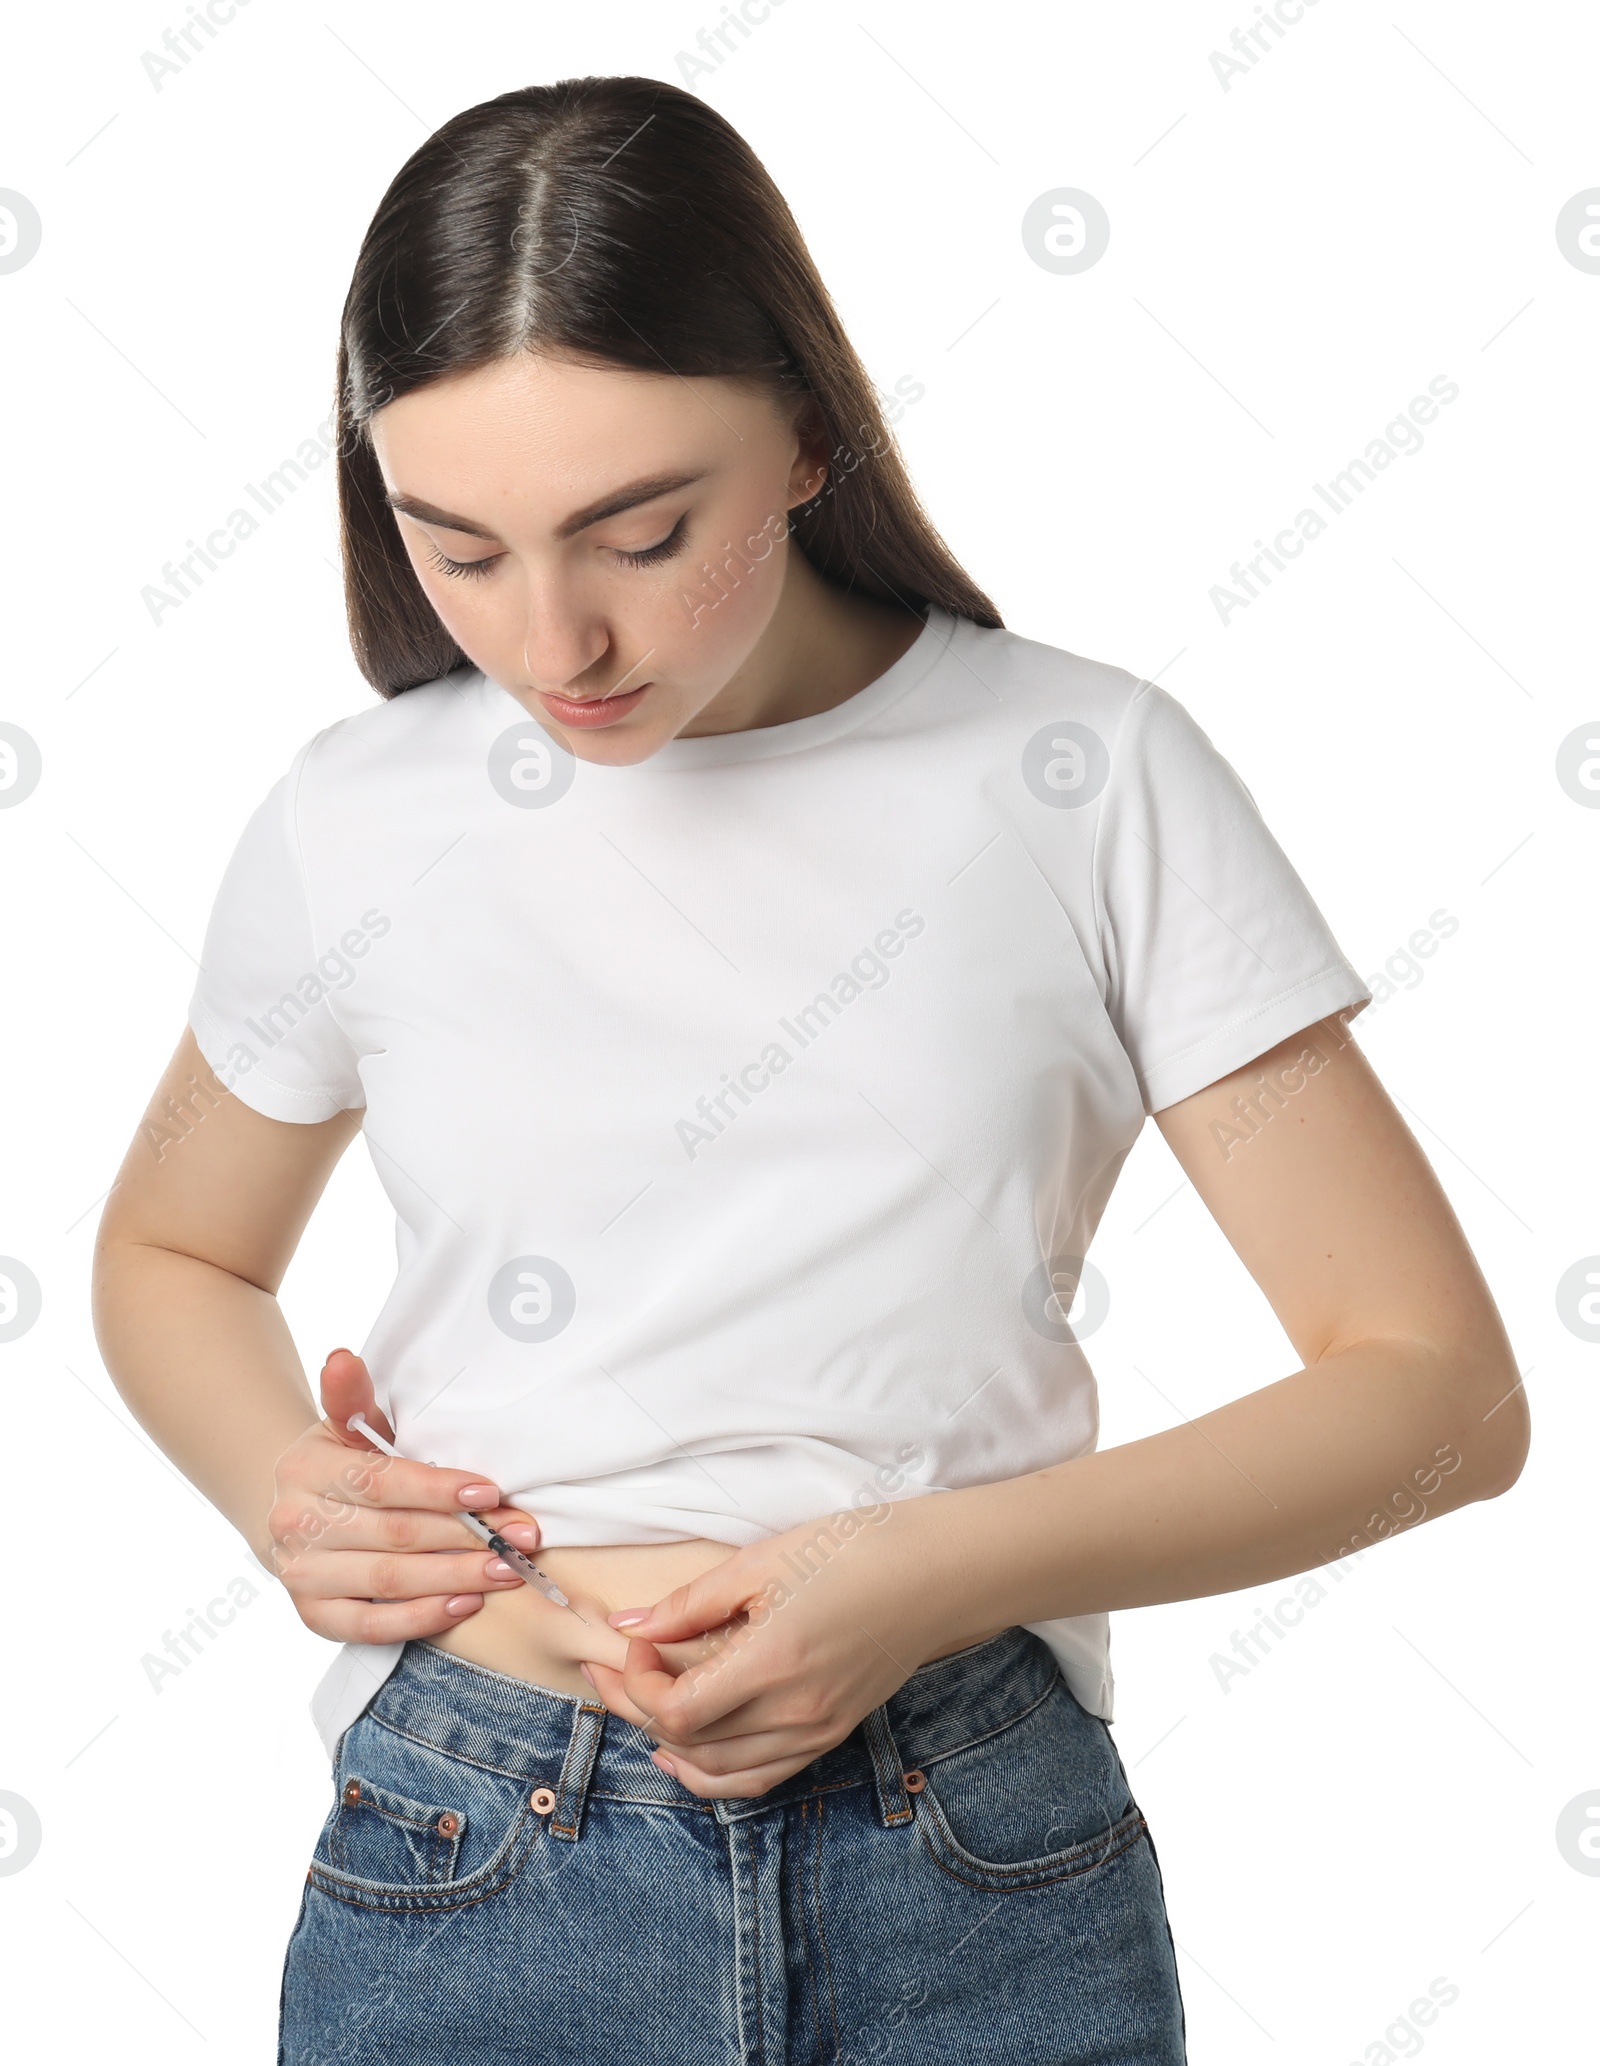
(368, 1545)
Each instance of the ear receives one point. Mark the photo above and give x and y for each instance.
(808, 476)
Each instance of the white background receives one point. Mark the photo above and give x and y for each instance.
(1292, 258)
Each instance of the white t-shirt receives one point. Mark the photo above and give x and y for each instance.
(747, 1112)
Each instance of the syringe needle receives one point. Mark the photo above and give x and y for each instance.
(524, 1566)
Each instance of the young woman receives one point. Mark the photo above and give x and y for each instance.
(750, 965)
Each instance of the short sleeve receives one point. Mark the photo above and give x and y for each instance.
(1214, 949)
(262, 1010)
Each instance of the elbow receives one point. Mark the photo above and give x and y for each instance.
(1507, 1450)
(1473, 1394)
(1496, 1429)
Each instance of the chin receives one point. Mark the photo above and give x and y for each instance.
(614, 748)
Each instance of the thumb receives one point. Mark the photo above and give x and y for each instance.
(347, 1389)
(719, 1595)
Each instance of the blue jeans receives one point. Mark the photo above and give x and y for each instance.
(504, 1877)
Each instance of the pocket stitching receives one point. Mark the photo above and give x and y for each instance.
(459, 1757)
(332, 1877)
(1009, 1878)
(934, 1757)
(396, 1895)
(440, 1847)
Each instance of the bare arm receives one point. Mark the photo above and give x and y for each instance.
(193, 1245)
(1408, 1404)
(198, 1231)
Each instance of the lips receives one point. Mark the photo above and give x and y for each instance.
(595, 711)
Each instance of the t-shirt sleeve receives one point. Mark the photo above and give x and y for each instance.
(1214, 949)
(262, 1009)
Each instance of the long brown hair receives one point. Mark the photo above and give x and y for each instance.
(610, 221)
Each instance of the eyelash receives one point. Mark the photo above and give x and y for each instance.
(651, 556)
(467, 569)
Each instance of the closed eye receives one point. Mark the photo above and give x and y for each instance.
(648, 556)
(652, 555)
(462, 568)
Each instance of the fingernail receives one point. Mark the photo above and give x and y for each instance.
(479, 1495)
(521, 1534)
(463, 1603)
(588, 1674)
(499, 1568)
(660, 1758)
(625, 1617)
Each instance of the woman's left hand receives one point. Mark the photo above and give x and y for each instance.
(812, 1630)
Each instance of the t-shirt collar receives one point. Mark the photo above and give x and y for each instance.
(762, 742)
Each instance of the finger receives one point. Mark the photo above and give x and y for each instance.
(410, 1528)
(720, 1692)
(333, 1476)
(632, 1702)
(700, 1700)
(369, 1478)
(322, 1526)
(606, 1680)
(728, 1590)
(347, 1390)
(656, 1699)
(331, 1525)
(741, 1738)
(382, 1621)
(299, 1528)
(646, 1680)
(346, 1386)
(339, 1574)
(681, 1703)
(519, 1529)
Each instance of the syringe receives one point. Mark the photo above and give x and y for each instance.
(524, 1566)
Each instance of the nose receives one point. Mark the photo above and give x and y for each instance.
(560, 646)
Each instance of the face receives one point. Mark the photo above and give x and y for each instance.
(565, 521)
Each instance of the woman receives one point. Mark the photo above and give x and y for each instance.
(750, 965)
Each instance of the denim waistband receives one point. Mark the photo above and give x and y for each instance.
(578, 1748)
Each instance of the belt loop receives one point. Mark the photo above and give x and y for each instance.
(894, 1803)
(572, 1789)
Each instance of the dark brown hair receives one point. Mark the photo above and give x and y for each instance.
(609, 221)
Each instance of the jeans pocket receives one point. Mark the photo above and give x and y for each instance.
(377, 1834)
(414, 1827)
(1043, 1799)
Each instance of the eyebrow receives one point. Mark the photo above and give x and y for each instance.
(613, 504)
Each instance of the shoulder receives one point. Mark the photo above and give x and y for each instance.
(398, 748)
(1031, 681)
(1037, 702)
(400, 728)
